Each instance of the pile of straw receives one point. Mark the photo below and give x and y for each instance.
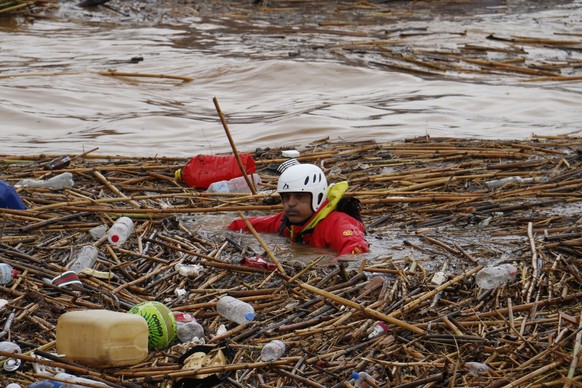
(435, 195)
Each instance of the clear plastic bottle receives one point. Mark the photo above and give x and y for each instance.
(235, 310)
(272, 351)
(235, 185)
(7, 273)
(496, 276)
(378, 329)
(9, 198)
(85, 259)
(58, 182)
(11, 364)
(120, 230)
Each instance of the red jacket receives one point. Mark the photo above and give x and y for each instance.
(338, 231)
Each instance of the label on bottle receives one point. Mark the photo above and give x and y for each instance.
(184, 317)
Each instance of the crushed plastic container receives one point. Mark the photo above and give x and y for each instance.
(272, 351)
(102, 338)
(512, 179)
(187, 331)
(85, 259)
(203, 170)
(495, 276)
(58, 182)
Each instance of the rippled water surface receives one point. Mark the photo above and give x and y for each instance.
(279, 79)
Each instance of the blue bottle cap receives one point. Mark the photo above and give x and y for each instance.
(355, 375)
(249, 316)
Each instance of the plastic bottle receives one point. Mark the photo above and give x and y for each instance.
(496, 276)
(11, 364)
(235, 185)
(120, 230)
(58, 182)
(235, 310)
(58, 163)
(363, 380)
(102, 338)
(85, 259)
(7, 273)
(9, 198)
(378, 329)
(203, 170)
(272, 351)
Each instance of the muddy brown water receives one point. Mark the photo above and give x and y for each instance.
(282, 75)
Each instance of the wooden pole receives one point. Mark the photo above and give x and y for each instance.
(262, 242)
(250, 183)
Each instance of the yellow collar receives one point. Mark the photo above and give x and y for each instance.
(335, 192)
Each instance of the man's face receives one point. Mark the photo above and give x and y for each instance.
(297, 206)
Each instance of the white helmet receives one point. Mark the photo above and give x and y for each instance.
(304, 178)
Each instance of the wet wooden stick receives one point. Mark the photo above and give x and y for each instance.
(520, 382)
(68, 367)
(575, 354)
(54, 220)
(432, 293)
(250, 183)
(104, 180)
(366, 310)
(303, 380)
(141, 279)
(122, 74)
(262, 242)
(534, 261)
(204, 370)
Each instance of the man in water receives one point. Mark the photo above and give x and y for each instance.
(313, 213)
